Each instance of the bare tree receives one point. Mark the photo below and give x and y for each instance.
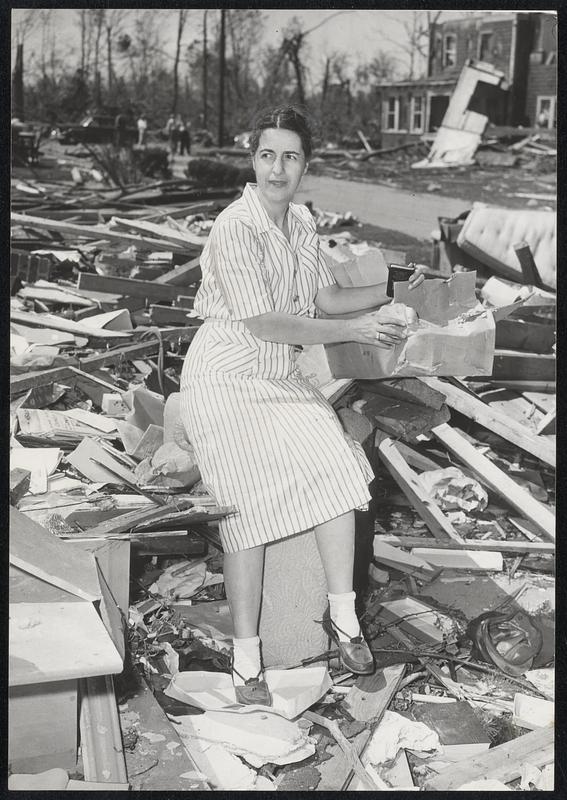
(112, 20)
(180, 25)
(418, 38)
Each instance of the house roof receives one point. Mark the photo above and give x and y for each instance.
(419, 82)
(474, 16)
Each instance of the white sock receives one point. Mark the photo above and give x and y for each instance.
(246, 659)
(343, 615)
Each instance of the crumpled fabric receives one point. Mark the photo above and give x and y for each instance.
(452, 489)
(396, 732)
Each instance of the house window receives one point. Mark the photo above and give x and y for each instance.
(484, 46)
(392, 113)
(417, 113)
(450, 50)
(545, 112)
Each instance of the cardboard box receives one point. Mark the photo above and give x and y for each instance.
(455, 335)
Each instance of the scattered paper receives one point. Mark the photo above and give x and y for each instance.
(452, 489)
(260, 736)
(543, 679)
(40, 461)
(293, 690)
(184, 579)
(396, 732)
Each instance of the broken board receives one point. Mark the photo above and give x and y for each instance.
(35, 550)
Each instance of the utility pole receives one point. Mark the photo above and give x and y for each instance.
(221, 77)
(205, 87)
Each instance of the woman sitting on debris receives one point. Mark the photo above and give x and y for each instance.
(266, 441)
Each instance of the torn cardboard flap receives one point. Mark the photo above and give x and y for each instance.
(455, 336)
(438, 300)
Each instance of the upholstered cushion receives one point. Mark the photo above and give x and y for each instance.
(490, 233)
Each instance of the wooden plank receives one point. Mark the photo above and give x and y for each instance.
(128, 287)
(473, 560)
(19, 484)
(32, 710)
(113, 558)
(35, 550)
(504, 546)
(183, 275)
(401, 419)
(547, 424)
(541, 387)
(409, 390)
(528, 266)
(101, 740)
(97, 232)
(22, 383)
(503, 762)
(371, 694)
(171, 757)
(411, 486)
(168, 315)
(162, 232)
(402, 561)
(516, 366)
(131, 519)
(66, 325)
(58, 641)
(497, 480)
(474, 408)
(515, 334)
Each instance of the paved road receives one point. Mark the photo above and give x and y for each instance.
(414, 214)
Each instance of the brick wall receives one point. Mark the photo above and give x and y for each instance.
(542, 80)
(468, 35)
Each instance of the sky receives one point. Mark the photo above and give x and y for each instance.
(360, 33)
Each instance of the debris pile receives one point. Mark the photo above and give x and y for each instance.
(456, 569)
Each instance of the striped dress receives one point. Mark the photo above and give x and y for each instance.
(266, 441)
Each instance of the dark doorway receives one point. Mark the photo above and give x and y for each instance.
(438, 106)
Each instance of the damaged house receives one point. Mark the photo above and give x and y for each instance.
(522, 46)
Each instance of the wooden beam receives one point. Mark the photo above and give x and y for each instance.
(22, 383)
(529, 269)
(547, 425)
(35, 550)
(497, 480)
(97, 232)
(184, 275)
(411, 486)
(128, 287)
(497, 422)
(67, 325)
(374, 692)
(19, 484)
(168, 315)
(531, 337)
(502, 546)
(503, 762)
(406, 390)
(513, 365)
(162, 232)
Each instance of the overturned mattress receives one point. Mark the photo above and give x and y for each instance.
(490, 233)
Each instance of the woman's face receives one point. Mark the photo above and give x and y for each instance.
(279, 164)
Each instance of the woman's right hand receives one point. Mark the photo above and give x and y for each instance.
(372, 329)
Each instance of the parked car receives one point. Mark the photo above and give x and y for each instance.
(95, 129)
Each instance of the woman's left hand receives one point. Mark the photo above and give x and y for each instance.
(418, 276)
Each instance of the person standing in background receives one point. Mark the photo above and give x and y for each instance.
(142, 128)
(170, 131)
(184, 138)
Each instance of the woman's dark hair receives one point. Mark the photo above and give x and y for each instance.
(290, 118)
